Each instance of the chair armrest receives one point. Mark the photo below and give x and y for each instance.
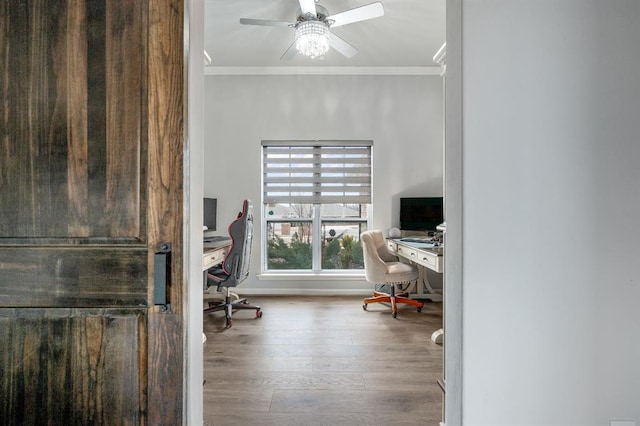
(386, 255)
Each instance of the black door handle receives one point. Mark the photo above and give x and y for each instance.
(162, 277)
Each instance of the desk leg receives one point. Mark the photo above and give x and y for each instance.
(438, 336)
(423, 284)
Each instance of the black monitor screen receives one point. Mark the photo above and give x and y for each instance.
(421, 213)
(210, 207)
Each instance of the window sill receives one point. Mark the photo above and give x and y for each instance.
(312, 276)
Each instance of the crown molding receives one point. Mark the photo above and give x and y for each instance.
(399, 71)
(440, 58)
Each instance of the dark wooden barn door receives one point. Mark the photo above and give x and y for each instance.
(91, 148)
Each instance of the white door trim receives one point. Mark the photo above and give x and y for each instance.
(453, 189)
(193, 193)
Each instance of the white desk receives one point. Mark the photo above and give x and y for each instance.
(212, 256)
(431, 258)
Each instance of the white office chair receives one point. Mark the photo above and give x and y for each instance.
(383, 267)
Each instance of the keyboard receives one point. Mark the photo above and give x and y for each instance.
(216, 239)
(415, 240)
(215, 242)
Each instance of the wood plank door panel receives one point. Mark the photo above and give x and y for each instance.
(91, 148)
(62, 276)
(72, 121)
(71, 366)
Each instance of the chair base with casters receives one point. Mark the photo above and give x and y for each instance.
(393, 299)
(229, 306)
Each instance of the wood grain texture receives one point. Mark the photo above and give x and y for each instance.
(165, 146)
(70, 366)
(96, 110)
(75, 83)
(90, 183)
(73, 277)
(166, 134)
(61, 244)
(323, 361)
(124, 94)
(72, 119)
(164, 360)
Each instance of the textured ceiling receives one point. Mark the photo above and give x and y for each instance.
(408, 35)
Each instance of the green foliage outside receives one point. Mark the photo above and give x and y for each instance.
(340, 252)
(282, 256)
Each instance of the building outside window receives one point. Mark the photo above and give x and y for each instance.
(316, 202)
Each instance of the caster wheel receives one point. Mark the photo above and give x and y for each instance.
(419, 309)
(364, 307)
(395, 314)
(258, 314)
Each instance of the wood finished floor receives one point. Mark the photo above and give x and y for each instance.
(315, 361)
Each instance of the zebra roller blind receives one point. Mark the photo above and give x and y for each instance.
(316, 172)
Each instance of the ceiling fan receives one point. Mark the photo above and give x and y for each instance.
(313, 36)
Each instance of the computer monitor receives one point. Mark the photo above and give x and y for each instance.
(421, 213)
(210, 213)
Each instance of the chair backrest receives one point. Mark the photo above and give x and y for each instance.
(376, 254)
(236, 263)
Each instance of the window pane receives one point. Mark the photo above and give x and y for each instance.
(358, 211)
(289, 245)
(282, 210)
(341, 247)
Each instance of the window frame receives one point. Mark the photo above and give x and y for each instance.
(316, 219)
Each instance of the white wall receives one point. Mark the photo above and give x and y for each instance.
(401, 114)
(194, 361)
(551, 183)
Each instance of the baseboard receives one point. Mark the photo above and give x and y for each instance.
(301, 292)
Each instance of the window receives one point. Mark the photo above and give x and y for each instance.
(316, 200)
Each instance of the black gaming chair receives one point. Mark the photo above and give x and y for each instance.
(235, 267)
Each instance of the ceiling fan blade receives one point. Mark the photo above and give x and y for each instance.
(342, 46)
(362, 13)
(290, 52)
(308, 6)
(266, 23)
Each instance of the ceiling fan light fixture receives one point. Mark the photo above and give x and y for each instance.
(312, 38)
